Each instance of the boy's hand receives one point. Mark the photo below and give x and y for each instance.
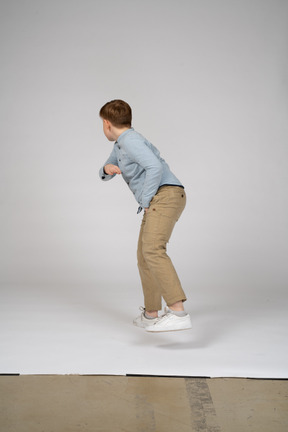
(111, 169)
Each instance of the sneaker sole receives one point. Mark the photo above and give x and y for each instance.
(167, 330)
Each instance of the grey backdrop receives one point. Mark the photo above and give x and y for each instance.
(207, 81)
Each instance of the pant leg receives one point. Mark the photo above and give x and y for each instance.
(151, 291)
(158, 275)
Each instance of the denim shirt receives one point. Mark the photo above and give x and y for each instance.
(141, 166)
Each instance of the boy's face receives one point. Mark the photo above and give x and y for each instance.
(107, 130)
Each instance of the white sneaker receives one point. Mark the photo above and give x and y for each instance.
(170, 322)
(142, 321)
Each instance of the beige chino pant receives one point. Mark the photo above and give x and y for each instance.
(158, 276)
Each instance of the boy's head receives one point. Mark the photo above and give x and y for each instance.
(118, 113)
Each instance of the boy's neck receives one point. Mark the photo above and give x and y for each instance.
(113, 132)
(118, 131)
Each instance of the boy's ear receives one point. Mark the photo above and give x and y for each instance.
(107, 123)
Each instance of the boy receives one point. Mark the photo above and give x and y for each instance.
(163, 199)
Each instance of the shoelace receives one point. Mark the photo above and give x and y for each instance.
(164, 317)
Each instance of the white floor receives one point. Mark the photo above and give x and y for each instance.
(69, 330)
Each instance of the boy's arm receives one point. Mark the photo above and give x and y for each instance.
(110, 168)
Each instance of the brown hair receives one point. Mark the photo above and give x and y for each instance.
(118, 112)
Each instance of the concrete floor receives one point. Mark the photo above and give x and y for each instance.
(72, 403)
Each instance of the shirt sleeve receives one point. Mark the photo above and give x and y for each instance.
(140, 153)
(111, 160)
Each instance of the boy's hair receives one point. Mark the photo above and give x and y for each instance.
(118, 112)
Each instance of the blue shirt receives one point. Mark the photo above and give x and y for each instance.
(141, 166)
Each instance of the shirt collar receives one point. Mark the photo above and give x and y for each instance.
(123, 134)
